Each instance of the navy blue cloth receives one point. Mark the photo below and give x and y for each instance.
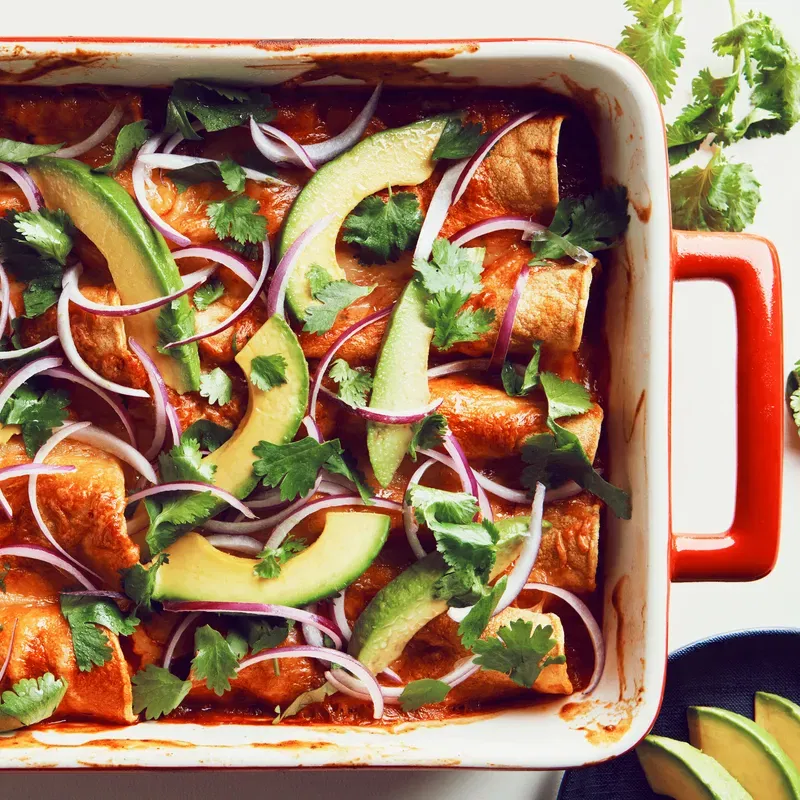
(724, 671)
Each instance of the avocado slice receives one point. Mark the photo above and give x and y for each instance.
(409, 602)
(676, 769)
(781, 718)
(138, 258)
(348, 544)
(395, 157)
(401, 380)
(751, 755)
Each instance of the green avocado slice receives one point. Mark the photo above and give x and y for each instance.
(394, 157)
(781, 718)
(138, 258)
(348, 544)
(409, 602)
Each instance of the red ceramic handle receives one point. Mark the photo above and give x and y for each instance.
(749, 266)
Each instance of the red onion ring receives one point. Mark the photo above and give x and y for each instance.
(8, 355)
(268, 499)
(406, 417)
(16, 379)
(263, 144)
(140, 176)
(241, 544)
(312, 635)
(285, 528)
(507, 325)
(91, 141)
(477, 159)
(595, 634)
(174, 423)
(160, 398)
(21, 470)
(176, 637)
(280, 278)
(236, 265)
(42, 554)
(409, 520)
(68, 343)
(5, 299)
(262, 610)
(326, 654)
(103, 594)
(118, 408)
(437, 210)
(339, 617)
(508, 222)
(333, 488)
(466, 473)
(97, 437)
(169, 161)
(194, 486)
(256, 525)
(328, 357)
(8, 512)
(21, 177)
(7, 659)
(178, 137)
(463, 365)
(248, 301)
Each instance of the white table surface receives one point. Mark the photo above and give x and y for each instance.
(704, 344)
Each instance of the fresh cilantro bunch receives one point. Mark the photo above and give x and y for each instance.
(333, 296)
(37, 414)
(354, 384)
(451, 277)
(382, 230)
(31, 700)
(721, 195)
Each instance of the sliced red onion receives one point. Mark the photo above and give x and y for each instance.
(326, 654)
(269, 499)
(176, 637)
(194, 486)
(460, 464)
(71, 351)
(42, 554)
(566, 490)
(235, 264)
(280, 278)
(265, 146)
(160, 399)
(477, 159)
(140, 178)
(102, 594)
(464, 365)
(244, 307)
(21, 177)
(178, 137)
(437, 210)
(174, 423)
(8, 355)
(406, 417)
(285, 528)
(256, 525)
(261, 610)
(5, 299)
(103, 440)
(328, 357)
(96, 138)
(21, 470)
(595, 634)
(312, 634)
(504, 223)
(332, 488)
(105, 310)
(118, 408)
(340, 617)
(310, 424)
(8, 512)
(507, 325)
(241, 544)
(19, 377)
(7, 659)
(409, 519)
(169, 161)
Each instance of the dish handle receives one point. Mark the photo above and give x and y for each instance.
(749, 266)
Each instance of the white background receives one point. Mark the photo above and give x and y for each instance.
(704, 344)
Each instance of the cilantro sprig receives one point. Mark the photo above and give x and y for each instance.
(216, 386)
(129, 139)
(215, 661)
(267, 372)
(31, 700)
(271, 560)
(37, 414)
(354, 384)
(427, 434)
(517, 385)
(458, 139)
(237, 218)
(227, 171)
(333, 296)
(157, 692)
(424, 692)
(208, 293)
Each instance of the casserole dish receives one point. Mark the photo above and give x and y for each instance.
(641, 555)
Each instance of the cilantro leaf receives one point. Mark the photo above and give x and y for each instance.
(207, 434)
(451, 325)
(435, 506)
(156, 691)
(344, 464)
(722, 196)
(13, 152)
(214, 662)
(237, 643)
(216, 386)
(139, 582)
(267, 372)
(305, 699)
(22, 260)
(517, 385)
(474, 624)
(171, 515)
(424, 692)
(47, 232)
(216, 107)
(89, 643)
(38, 415)
(354, 384)
(458, 140)
(334, 296)
(227, 171)
(208, 293)
(174, 322)
(270, 561)
(654, 43)
(293, 466)
(31, 700)
(237, 218)
(39, 295)
(519, 651)
(383, 230)
(265, 635)
(427, 434)
(565, 398)
(184, 462)
(130, 138)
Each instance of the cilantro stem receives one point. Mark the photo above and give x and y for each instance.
(677, 5)
(734, 15)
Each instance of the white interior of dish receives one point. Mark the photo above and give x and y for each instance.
(636, 553)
